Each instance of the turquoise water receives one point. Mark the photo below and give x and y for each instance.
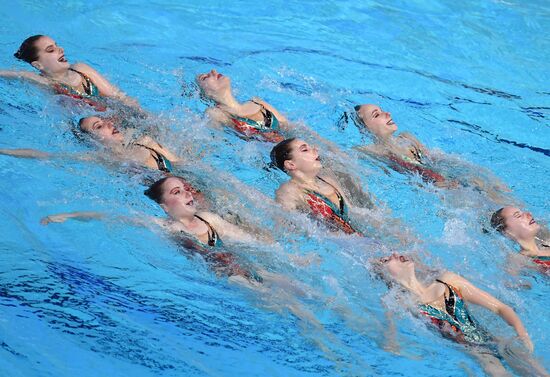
(109, 298)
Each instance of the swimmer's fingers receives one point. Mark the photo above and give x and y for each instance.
(53, 219)
(502, 187)
(528, 343)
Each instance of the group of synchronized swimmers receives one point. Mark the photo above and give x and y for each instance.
(193, 218)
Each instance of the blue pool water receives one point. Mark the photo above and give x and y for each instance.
(112, 299)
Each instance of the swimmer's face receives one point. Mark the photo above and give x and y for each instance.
(51, 57)
(377, 121)
(177, 201)
(305, 158)
(213, 83)
(519, 225)
(398, 266)
(102, 129)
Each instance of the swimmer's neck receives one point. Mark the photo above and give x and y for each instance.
(63, 76)
(188, 221)
(384, 140)
(305, 179)
(414, 286)
(529, 247)
(226, 101)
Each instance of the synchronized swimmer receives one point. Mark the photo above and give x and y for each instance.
(521, 227)
(79, 80)
(442, 301)
(406, 154)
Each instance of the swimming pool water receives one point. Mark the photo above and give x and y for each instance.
(111, 298)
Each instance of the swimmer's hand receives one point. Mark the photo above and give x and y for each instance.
(62, 217)
(527, 342)
(305, 260)
(447, 184)
(53, 219)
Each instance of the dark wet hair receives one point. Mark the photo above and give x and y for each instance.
(498, 222)
(280, 153)
(28, 51)
(154, 192)
(81, 122)
(378, 271)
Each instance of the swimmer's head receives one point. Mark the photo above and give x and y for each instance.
(515, 223)
(42, 53)
(101, 129)
(396, 267)
(174, 196)
(295, 155)
(213, 84)
(375, 120)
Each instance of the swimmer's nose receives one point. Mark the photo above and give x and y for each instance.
(214, 72)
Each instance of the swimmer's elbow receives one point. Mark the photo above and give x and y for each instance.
(504, 310)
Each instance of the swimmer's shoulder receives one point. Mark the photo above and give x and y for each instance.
(408, 136)
(273, 110)
(372, 150)
(288, 194)
(83, 68)
(216, 115)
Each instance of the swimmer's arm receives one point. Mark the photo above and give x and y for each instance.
(31, 76)
(479, 297)
(80, 216)
(216, 117)
(36, 154)
(286, 197)
(375, 155)
(148, 141)
(514, 264)
(391, 343)
(228, 230)
(26, 153)
(105, 87)
(144, 221)
(371, 151)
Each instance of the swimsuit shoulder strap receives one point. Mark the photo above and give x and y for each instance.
(212, 234)
(83, 75)
(258, 103)
(154, 151)
(162, 162)
(450, 302)
(89, 86)
(337, 192)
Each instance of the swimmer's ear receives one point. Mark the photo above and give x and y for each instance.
(289, 165)
(37, 65)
